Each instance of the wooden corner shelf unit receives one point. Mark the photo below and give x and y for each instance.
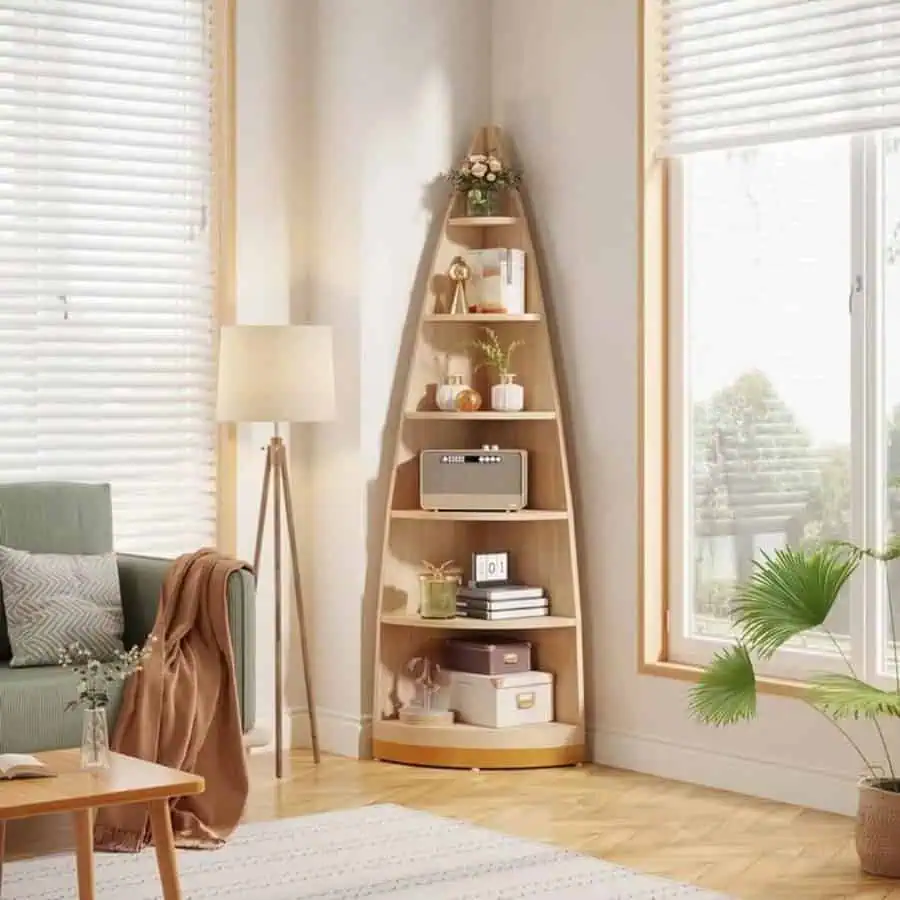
(540, 538)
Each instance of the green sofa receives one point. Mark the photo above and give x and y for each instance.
(53, 517)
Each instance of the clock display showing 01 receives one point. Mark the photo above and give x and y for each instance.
(490, 568)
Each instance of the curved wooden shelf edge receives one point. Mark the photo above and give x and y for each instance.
(532, 623)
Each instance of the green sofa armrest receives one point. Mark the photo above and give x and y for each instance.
(141, 579)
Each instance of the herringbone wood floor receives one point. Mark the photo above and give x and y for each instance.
(751, 849)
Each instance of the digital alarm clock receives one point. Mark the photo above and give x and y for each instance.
(485, 480)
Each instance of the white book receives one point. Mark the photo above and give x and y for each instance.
(488, 614)
(21, 765)
(502, 603)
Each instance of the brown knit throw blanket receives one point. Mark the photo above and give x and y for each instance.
(182, 711)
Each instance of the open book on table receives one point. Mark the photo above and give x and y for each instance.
(21, 765)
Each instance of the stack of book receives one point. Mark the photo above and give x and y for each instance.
(510, 601)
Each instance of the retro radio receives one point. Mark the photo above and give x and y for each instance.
(485, 480)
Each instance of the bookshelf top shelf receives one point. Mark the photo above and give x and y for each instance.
(482, 221)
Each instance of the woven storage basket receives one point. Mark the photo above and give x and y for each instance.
(878, 829)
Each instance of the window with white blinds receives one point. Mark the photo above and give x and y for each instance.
(738, 73)
(106, 267)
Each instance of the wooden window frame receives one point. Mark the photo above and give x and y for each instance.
(653, 366)
(224, 239)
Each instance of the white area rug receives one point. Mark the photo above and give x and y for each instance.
(372, 852)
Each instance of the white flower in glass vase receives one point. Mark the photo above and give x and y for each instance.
(477, 158)
(494, 164)
(479, 170)
(490, 177)
(94, 680)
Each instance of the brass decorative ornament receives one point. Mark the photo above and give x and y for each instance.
(468, 400)
(459, 273)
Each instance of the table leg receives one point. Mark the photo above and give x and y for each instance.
(2, 851)
(163, 839)
(84, 852)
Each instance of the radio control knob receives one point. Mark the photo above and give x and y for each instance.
(485, 446)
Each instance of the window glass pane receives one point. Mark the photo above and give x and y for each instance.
(890, 296)
(767, 359)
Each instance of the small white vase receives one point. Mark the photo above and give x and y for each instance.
(507, 396)
(445, 396)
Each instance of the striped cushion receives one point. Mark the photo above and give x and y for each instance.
(53, 600)
(33, 709)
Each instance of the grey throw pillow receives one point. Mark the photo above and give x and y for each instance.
(53, 600)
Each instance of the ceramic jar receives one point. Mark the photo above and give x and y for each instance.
(445, 396)
(507, 396)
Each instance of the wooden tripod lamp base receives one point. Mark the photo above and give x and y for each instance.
(278, 373)
(276, 479)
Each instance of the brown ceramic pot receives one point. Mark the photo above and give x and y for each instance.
(878, 827)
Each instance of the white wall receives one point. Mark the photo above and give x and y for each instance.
(347, 109)
(400, 85)
(565, 85)
(263, 99)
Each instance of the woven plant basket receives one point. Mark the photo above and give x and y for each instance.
(878, 827)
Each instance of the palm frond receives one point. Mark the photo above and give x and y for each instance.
(790, 592)
(889, 553)
(726, 692)
(846, 697)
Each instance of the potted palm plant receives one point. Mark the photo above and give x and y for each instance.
(789, 593)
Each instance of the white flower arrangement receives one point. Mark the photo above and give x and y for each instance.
(95, 676)
(484, 171)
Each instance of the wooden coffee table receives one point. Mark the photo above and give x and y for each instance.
(78, 792)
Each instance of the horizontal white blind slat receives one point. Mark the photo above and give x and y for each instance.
(169, 21)
(103, 67)
(745, 72)
(107, 325)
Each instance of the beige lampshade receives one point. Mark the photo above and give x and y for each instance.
(275, 373)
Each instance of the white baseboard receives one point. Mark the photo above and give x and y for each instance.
(339, 733)
(817, 789)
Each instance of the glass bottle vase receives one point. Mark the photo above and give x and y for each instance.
(95, 753)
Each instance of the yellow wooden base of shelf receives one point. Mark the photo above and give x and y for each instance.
(464, 624)
(471, 747)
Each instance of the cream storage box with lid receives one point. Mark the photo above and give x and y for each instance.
(502, 701)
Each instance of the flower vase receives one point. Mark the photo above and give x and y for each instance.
(95, 753)
(482, 202)
(507, 396)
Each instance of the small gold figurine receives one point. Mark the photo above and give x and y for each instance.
(459, 273)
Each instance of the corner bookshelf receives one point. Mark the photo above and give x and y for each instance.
(540, 538)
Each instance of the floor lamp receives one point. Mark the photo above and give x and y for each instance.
(278, 374)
